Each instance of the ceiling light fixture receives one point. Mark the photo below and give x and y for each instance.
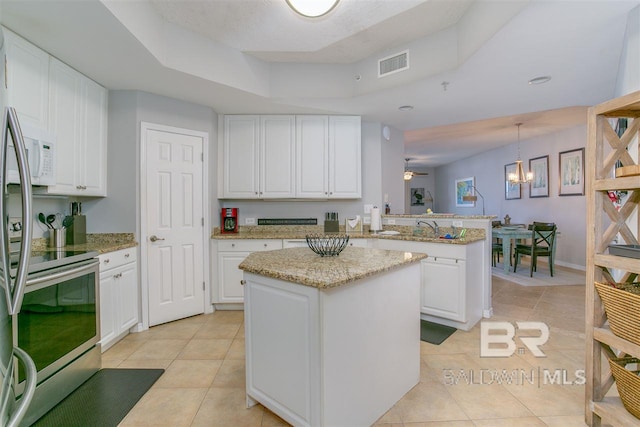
(405, 107)
(519, 177)
(312, 8)
(408, 174)
(539, 80)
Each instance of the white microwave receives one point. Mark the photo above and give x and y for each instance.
(40, 148)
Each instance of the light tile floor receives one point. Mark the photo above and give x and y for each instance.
(203, 384)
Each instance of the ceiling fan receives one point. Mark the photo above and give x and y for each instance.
(408, 174)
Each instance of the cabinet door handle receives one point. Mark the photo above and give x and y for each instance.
(106, 261)
(265, 245)
(126, 255)
(233, 245)
(243, 282)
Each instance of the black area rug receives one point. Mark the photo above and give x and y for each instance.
(434, 333)
(103, 400)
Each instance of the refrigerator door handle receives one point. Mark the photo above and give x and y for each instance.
(16, 292)
(29, 388)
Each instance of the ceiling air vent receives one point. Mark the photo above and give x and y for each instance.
(393, 64)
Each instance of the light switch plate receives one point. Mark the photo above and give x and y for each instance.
(367, 209)
(457, 223)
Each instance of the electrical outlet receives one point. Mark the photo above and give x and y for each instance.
(367, 209)
(250, 221)
(15, 228)
(366, 220)
(457, 223)
(391, 221)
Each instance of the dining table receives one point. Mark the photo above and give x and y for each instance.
(507, 234)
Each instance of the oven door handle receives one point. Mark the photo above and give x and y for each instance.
(62, 274)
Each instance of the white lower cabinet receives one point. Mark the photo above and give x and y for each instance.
(451, 283)
(443, 288)
(118, 295)
(227, 255)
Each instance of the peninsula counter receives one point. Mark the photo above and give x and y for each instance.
(331, 341)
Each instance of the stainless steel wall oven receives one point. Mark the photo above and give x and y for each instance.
(58, 325)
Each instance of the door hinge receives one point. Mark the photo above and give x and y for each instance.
(202, 221)
(203, 286)
(202, 157)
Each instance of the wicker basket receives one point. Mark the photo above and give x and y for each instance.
(623, 311)
(628, 383)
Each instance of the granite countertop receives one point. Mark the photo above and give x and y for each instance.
(303, 266)
(300, 232)
(99, 242)
(439, 215)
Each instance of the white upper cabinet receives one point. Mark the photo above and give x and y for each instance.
(93, 166)
(259, 154)
(312, 157)
(27, 80)
(345, 159)
(277, 156)
(78, 113)
(241, 148)
(285, 157)
(65, 110)
(329, 160)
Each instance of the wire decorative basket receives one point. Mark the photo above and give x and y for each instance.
(327, 245)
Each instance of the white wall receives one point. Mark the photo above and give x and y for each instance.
(392, 170)
(568, 212)
(420, 181)
(629, 70)
(118, 212)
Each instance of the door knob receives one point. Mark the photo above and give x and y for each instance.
(155, 238)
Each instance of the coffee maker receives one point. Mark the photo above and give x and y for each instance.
(229, 220)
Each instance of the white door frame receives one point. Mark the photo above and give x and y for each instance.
(142, 219)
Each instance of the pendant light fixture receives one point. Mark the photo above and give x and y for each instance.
(312, 8)
(519, 177)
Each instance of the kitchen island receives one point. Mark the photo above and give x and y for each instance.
(331, 341)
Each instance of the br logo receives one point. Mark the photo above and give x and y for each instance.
(497, 339)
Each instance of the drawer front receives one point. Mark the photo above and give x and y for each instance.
(249, 245)
(117, 258)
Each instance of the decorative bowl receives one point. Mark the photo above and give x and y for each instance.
(327, 245)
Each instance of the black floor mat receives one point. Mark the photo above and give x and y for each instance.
(103, 400)
(434, 333)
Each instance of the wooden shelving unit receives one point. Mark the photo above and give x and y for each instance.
(604, 150)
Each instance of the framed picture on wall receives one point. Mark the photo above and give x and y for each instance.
(464, 187)
(511, 191)
(417, 196)
(539, 187)
(571, 165)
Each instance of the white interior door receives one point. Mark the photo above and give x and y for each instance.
(174, 225)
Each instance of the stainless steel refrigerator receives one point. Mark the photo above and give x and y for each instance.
(13, 278)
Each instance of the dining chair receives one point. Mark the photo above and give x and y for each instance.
(496, 251)
(496, 246)
(543, 236)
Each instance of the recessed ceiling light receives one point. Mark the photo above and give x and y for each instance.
(312, 8)
(539, 80)
(405, 107)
